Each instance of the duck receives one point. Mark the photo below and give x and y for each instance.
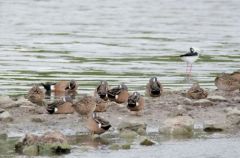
(154, 88)
(85, 106)
(196, 92)
(118, 94)
(61, 106)
(135, 102)
(101, 105)
(227, 82)
(102, 90)
(236, 75)
(36, 95)
(97, 125)
(61, 86)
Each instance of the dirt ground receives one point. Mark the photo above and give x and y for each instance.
(27, 117)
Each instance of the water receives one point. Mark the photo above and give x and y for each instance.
(119, 41)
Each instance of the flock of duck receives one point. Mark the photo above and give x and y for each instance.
(88, 106)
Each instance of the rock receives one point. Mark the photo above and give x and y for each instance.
(128, 134)
(232, 111)
(114, 147)
(6, 102)
(179, 111)
(203, 103)
(187, 101)
(233, 116)
(50, 143)
(217, 98)
(147, 142)
(6, 117)
(38, 119)
(212, 126)
(1, 110)
(3, 135)
(140, 128)
(31, 150)
(180, 125)
(126, 146)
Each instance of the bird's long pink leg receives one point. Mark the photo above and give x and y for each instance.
(187, 69)
(190, 70)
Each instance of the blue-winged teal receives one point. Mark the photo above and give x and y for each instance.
(85, 106)
(154, 88)
(97, 125)
(102, 90)
(61, 106)
(227, 82)
(61, 86)
(135, 102)
(101, 105)
(196, 92)
(36, 95)
(118, 94)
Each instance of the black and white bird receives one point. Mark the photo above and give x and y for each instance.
(190, 58)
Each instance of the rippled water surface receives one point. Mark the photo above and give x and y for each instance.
(119, 41)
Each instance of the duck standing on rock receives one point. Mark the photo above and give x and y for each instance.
(61, 106)
(135, 102)
(36, 95)
(154, 88)
(85, 106)
(118, 94)
(102, 90)
(227, 82)
(196, 92)
(97, 125)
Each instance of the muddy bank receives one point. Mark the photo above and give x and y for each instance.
(218, 113)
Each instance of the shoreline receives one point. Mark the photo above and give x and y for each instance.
(219, 110)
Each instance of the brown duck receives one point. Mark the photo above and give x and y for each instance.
(118, 94)
(227, 82)
(61, 106)
(135, 102)
(102, 90)
(61, 86)
(85, 106)
(101, 105)
(196, 92)
(154, 87)
(97, 125)
(36, 95)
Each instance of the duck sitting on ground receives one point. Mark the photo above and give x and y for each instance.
(227, 82)
(196, 92)
(101, 105)
(61, 106)
(135, 102)
(154, 88)
(118, 94)
(85, 106)
(97, 125)
(61, 86)
(36, 95)
(102, 90)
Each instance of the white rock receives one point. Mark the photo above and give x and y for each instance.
(216, 98)
(180, 125)
(203, 102)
